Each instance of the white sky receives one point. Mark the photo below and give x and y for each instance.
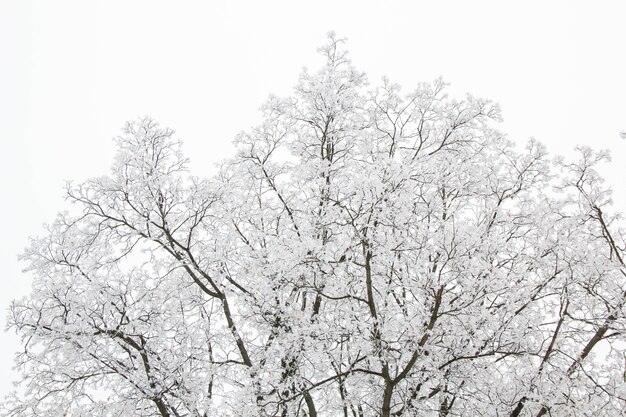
(72, 72)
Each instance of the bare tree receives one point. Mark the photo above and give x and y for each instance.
(365, 253)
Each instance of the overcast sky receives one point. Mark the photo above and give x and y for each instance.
(72, 72)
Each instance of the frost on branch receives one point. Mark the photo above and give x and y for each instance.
(367, 252)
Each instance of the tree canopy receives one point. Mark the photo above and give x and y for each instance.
(366, 252)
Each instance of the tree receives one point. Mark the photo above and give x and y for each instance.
(365, 253)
